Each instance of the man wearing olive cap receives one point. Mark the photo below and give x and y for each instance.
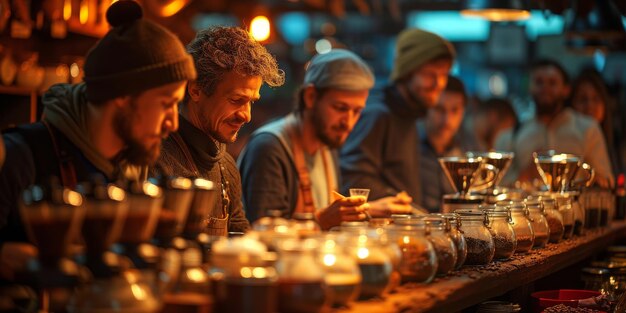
(290, 165)
(382, 152)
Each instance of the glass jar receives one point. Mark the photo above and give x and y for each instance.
(591, 201)
(343, 277)
(578, 211)
(437, 233)
(374, 262)
(418, 262)
(391, 248)
(501, 228)
(607, 212)
(596, 279)
(480, 245)
(301, 277)
(554, 218)
(538, 220)
(457, 237)
(273, 228)
(564, 205)
(434, 228)
(240, 279)
(191, 289)
(304, 224)
(617, 274)
(521, 226)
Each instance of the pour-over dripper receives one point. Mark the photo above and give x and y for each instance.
(204, 198)
(177, 195)
(558, 170)
(52, 216)
(499, 159)
(461, 173)
(106, 209)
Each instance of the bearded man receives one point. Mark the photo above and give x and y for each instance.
(110, 126)
(291, 164)
(554, 127)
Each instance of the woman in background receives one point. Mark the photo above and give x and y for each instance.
(590, 96)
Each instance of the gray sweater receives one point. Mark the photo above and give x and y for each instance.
(207, 156)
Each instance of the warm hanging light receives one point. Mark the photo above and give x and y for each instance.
(173, 7)
(67, 9)
(260, 28)
(496, 10)
(84, 12)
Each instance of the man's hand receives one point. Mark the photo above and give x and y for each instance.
(385, 207)
(342, 210)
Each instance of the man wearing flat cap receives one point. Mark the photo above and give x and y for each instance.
(382, 152)
(291, 164)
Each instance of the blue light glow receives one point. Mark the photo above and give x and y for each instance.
(450, 25)
(295, 27)
(454, 27)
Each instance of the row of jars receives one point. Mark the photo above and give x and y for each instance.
(364, 260)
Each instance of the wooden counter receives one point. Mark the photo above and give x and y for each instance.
(474, 284)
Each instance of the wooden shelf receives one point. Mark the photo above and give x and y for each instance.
(17, 91)
(474, 284)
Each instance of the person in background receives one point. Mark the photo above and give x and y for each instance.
(486, 122)
(382, 152)
(554, 127)
(111, 125)
(231, 66)
(438, 134)
(591, 97)
(291, 164)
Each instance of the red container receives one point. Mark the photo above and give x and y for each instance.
(545, 299)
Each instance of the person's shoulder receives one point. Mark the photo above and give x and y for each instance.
(582, 120)
(263, 147)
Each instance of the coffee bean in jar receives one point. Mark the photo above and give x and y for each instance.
(418, 263)
(480, 247)
(505, 247)
(556, 229)
(479, 251)
(524, 243)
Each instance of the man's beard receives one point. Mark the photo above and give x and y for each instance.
(547, 109)
(135, 152)
(319, 126)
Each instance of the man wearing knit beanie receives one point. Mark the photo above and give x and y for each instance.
(232, 66)
(382, 152)
(110, 126)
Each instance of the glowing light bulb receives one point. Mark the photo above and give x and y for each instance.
(260, 28)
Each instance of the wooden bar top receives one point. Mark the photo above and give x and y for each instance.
(474, 284)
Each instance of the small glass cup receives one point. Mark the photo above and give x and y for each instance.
(363, 192)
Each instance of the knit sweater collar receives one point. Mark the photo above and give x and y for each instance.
(205, 149)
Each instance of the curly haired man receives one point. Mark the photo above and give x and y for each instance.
(231, 68)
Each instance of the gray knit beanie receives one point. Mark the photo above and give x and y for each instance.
(416, 47)
(134, 56)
